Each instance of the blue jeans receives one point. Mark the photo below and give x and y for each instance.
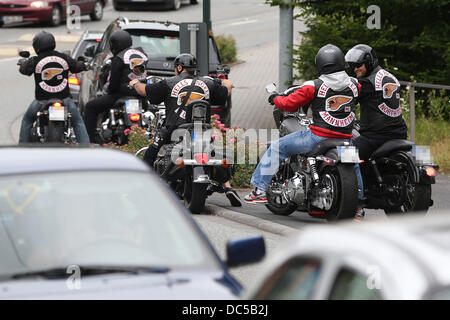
(30, 116)
(294, 143)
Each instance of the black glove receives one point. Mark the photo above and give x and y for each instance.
(272, 97)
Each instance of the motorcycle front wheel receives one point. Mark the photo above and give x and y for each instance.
(276, 202)
(194, 195)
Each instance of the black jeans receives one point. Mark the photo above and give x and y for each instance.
(96, 107)
(366, 146)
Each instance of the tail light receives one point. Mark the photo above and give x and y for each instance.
(74, 80)
(431, 172)
(201, 158)
(57, 104)
(225, 163)
(135, 117)
(179, 162)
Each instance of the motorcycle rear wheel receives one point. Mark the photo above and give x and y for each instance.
(55, 131)
(345, 195)
(194, 195)
(423, 198)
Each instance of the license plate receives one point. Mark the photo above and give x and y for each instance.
(348, 154)
(56, 114)
(422, 154)
(132, 106)
(11, 19)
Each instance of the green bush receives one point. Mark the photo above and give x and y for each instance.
(227, 48)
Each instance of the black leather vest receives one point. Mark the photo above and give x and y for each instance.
(334, 110)
(51, 74)
(179, 86)
(132, 58)
(381, 112)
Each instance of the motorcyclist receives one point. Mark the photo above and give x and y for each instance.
(380, 108)
(332, 97)
(171, 91)
(51, 72)
(126, 64)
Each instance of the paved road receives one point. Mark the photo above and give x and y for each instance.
(299, 220)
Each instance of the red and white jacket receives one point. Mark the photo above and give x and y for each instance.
(333, 100)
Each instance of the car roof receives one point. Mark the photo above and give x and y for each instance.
(91, 35)
(28, 160)
(125, 23)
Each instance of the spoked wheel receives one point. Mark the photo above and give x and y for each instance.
(276, 200)
(339, 192)
(401, 198)
(194, 195)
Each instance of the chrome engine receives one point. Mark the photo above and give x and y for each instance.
(295, 189)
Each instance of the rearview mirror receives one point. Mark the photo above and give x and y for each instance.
(24, 54)
(271, 88)
(245, 251)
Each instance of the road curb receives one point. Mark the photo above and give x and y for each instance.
(258, 223)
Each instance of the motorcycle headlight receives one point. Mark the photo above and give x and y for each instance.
(39, 4)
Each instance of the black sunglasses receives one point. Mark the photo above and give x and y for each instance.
(354, 65)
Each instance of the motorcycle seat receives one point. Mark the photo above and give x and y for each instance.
(191, 126)
(325, 145)
(390, 146)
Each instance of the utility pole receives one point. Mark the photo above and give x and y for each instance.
(286, 43)
(207, 14)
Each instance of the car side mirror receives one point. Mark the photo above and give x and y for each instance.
(245, 251)
(24, 54)
(90, 51)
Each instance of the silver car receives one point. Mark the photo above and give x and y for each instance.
(403, 258)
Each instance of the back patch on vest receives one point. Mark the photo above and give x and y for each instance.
(50, 69)
(334, 103)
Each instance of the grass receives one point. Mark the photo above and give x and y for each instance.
(436, 134)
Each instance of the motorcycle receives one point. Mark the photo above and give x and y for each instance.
(189, 162)
(321, 182)
(397, 177)
(53, 122)
(126, 112)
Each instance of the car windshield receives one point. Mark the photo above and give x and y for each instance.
(106, 218)
(157, 44)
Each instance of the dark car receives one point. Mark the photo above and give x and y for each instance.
(120, 5)
(160, 40)
(89, 41)
(96, 223)
(50, 11)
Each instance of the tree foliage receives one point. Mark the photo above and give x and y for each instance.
(412, 43)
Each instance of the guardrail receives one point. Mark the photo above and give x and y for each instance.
(412, 98)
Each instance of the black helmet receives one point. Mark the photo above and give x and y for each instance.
(329, 59)
(43, 41)
(186, 60)
(359, 54)
(119, 41)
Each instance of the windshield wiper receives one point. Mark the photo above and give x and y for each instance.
(88, 270)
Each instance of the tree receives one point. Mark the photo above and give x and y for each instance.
(412, 42)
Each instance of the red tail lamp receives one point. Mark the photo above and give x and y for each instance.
(201, 158)
(430, 172)
(135, 117)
